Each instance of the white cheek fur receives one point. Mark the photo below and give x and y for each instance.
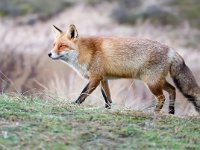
(72, 60)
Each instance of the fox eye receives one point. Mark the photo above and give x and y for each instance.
(62, 45)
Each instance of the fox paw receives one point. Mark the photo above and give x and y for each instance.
(77, 101)
(171, 110)
(108, 105)
(73, 103)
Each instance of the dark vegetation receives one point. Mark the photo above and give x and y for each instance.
(46, 8)
(163, 12)
(169, 12)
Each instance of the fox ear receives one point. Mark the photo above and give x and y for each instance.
(56, 30)
(72, 33)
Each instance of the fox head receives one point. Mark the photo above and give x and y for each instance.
(64, 42)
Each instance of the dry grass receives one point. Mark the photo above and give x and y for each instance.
(25, 67)
(19, 72)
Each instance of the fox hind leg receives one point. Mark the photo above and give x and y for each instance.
(157, 90)
(172, 96)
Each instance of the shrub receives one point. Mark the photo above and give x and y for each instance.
(45, 8)
(188, 10)
(129, 12)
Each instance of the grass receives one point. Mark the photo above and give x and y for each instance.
(32, 123)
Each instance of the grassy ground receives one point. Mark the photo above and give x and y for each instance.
(31, 123)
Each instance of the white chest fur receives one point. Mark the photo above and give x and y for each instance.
(71, 59)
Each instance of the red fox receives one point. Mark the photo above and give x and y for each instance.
(100, 58)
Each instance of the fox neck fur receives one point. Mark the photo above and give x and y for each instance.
(72, 60)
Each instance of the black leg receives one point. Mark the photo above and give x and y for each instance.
(107, 105)
(90, 87)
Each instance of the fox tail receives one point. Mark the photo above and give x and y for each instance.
(185, 81)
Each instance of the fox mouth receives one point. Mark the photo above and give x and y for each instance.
(56, 58)
(59, 57)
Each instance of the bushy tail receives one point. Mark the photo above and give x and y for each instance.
(185, 81)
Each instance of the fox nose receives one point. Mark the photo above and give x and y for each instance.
(49, 54)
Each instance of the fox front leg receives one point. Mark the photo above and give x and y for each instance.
(106, 93)
(90, 87)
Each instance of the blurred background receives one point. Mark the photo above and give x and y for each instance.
(26, 37)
